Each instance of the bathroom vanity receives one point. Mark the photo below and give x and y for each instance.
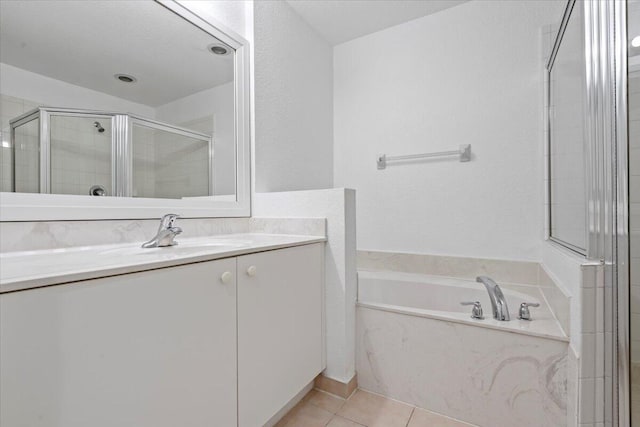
(212, 332)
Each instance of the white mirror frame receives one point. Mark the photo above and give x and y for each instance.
(52, 207)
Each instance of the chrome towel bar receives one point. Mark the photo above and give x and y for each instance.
(464, 152)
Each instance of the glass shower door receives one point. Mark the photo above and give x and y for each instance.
(80, 154)
(170, 163)
(26, 156)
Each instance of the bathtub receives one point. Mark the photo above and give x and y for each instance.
(417, 344)
(439, 297)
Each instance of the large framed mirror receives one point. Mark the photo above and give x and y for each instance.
(567, 149)
(121, 109)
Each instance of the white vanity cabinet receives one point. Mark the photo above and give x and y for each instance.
(155, 348)
(210, 344)
(280, 351)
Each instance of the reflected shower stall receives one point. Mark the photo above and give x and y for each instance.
(83, 152)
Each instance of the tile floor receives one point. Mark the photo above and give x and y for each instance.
(362, 409)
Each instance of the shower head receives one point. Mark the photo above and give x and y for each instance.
(98, 126)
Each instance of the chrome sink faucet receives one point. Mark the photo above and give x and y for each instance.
(498, 302)
(166, 233)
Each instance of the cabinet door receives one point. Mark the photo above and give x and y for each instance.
(155, 348)
(279, 328)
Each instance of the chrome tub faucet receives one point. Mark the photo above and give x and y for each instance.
(166, 234)
(498, 302)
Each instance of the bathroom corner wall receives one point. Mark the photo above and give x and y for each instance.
(466, 75)
(338, 206)
(293, 102)
(237, 15)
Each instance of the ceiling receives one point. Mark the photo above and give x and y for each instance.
(86, 42)
(339, 21)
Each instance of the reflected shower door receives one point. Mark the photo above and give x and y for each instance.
(80, 150)
(26, 161)
(170, 163)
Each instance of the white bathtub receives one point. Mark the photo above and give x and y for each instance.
(417, 344)
(439, 297)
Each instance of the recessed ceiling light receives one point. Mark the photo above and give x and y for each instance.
(218, 49)
(636, 41)
(126, 78)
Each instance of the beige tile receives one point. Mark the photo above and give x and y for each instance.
(422, 418)
(326, 401)
(372, 410)
(337, 421)
(305, 415)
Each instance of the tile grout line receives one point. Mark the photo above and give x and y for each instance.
(410, 416)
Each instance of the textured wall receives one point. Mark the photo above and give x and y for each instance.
(293, 102)
(467, 75)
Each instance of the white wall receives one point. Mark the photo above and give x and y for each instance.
(293, 102)
(337, 205)
(49, 92)
(467, 75)
(236, 15)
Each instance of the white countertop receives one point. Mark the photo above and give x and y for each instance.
(33, 269)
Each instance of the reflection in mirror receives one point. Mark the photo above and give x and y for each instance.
(566, 149)
(114, 98)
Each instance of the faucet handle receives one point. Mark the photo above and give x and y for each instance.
(524, 313)
(476, 311)
(168, 220)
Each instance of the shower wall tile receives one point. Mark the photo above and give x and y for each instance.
(593, 345)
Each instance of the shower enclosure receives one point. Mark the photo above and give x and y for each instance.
(99, 153)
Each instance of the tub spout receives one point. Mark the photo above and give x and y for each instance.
(498, 302)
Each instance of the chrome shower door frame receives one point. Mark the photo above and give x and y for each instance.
(13, 124)
(126, 147)
(619, 310)
(569, 9)
(606, 54)
(121, 144)
(606, 135)
(46, 113)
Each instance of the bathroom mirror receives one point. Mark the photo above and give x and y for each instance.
(120, 109)
(566, 150)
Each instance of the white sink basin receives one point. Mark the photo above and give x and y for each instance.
(183, 247)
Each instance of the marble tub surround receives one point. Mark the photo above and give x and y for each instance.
(522, 276)
(361, 409)
(523, 272)
(482, 376)
(32, 269)
(557, 298)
